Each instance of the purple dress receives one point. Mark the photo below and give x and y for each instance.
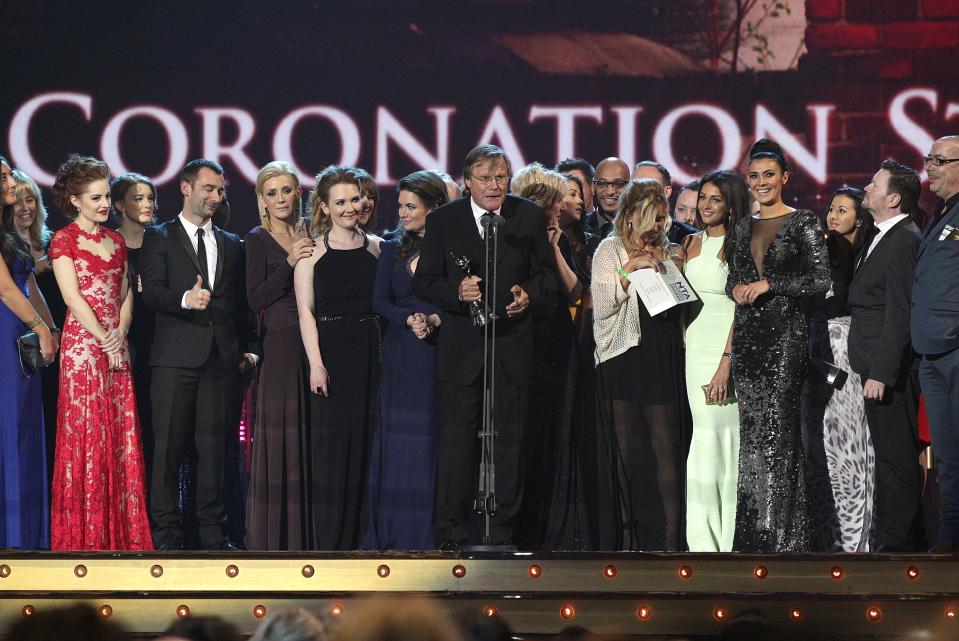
(278, 509)
(25, 510)
(402, 462)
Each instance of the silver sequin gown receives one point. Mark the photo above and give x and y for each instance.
(769, 364)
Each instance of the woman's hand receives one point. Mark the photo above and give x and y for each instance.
(420, 325)
(117, 359)
(749, 293)
(319, 380)
(48, 344)
(112, 341)
(553, 232)
(302, 248)
(42, 264)
(643, 260)
(718, 388)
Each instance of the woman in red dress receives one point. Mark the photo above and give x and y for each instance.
(98, 500)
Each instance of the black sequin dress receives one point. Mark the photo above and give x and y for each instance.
(769, 363)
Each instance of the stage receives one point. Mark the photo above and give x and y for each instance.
(828, 597)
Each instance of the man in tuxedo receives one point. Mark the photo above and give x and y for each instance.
(194, 277)
(935, 330)
(526, 282)
(880, 352)
(612, 176)
(651, 169)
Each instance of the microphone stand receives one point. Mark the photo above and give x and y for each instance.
(485, 502)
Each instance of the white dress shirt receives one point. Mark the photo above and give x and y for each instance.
(209, 242)
(478, 213)
(883, 227)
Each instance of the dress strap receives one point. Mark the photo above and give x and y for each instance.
(326, 240)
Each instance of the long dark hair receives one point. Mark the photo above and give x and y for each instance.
(842, 253)
(430, 189)
(12, 246)
(735, 195)
(578, 243)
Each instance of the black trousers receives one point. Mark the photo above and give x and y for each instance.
(458, 454)
(192, 408)
(898, 500)
(939, 374)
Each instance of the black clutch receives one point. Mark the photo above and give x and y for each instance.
(31, 360)
(834, 376)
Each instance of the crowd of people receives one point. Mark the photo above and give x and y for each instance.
(778, 412)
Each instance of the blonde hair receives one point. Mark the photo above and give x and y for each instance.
(543, 186)
(273, 170)
(38, 233)
(647, 198)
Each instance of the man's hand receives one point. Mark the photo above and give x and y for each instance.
(520, 301)
(469, 289)
(247, 361)
(198, 298)
(873, 390)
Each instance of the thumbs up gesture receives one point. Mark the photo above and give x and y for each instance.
(198, 298)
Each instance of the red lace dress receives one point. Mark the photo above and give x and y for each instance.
(98, 500)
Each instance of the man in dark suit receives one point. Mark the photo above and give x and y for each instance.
(525, 283)
(881, 353)
(612, 176)
(935, 330)
(193, 276)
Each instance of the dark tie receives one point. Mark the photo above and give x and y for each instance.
(486, 220)
(201, 255)
(870, 236)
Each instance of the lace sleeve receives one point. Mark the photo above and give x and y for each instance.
(62, 245)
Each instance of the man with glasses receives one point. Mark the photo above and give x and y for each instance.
(935, 330)
(525, 282)
(612, 175)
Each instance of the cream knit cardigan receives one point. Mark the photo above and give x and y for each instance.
(615, 311)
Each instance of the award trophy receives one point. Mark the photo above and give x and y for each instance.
(481, 314)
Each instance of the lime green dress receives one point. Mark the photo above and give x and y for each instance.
(713, 465)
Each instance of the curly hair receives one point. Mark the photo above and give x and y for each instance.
(325, 181)
(543, 186)
(73, 176)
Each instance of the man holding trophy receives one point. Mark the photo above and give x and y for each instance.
(488, 305)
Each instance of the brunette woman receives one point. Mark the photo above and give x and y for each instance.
(403, 459)
(98, 478)
(643, 412)
(278, 500)
(779, 259)
(712, 469)
(24, 506)
(840, 461)
(341, 337)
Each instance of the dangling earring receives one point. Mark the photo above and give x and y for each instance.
(858, 224)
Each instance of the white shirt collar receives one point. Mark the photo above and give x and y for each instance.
(886, 225)
(191, 228)
(479, 211)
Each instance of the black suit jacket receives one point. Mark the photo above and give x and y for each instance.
(880, 298)
(169, 267)
(524, 259)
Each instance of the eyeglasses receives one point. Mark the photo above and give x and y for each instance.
(602, 184)
(500, 180)
(938, 161)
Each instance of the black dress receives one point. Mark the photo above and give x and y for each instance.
(644, 439)
(770, 352)
(140, 339)
(342, 422)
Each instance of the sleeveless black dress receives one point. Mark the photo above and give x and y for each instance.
(341, 423)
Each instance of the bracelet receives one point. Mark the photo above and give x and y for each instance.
(728, 355)
(622, 272)
(36, 321)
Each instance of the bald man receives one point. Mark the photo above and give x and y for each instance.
(935, 330)
(612, 176)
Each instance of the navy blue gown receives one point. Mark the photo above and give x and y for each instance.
(25, 508)
(402, 462)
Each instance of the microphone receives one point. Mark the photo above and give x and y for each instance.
(489, 218)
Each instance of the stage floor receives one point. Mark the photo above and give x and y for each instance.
(827, 597)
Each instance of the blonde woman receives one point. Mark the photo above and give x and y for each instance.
(278, 497)
(643, 415)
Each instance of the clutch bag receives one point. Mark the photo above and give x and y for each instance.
(730, 398)
(28, 348)
(834, 376)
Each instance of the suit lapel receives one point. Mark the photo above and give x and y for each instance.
(507, 228)
(220, 255)
(933, 235)
(180, 233)
(871, 258)
(472, 244)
